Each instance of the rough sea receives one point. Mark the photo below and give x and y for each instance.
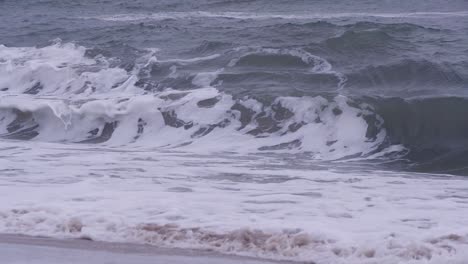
(318, 131)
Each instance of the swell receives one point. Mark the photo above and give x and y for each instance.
(378, 58)
(407, 75)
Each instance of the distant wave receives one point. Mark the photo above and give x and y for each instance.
(259, 15)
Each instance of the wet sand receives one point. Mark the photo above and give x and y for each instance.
(19, 249)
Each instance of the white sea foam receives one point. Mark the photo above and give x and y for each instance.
(57, 69)
(250, 205)
(261, 16)
(184, 61)
(75, 95)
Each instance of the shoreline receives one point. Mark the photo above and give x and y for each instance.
(18, 249)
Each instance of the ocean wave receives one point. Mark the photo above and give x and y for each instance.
(89, 101)
(200, 116)
(257, 15)
(404, 74)
(433, 129)
(60, 93)
(359, 40)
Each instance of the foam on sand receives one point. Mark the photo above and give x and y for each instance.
(35, 250)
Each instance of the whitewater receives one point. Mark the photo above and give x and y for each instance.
(323, 133)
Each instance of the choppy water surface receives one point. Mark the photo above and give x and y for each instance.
(321, 131)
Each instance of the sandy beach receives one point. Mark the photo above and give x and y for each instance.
(19, 249)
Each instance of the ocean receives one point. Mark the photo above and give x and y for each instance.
(319, 131)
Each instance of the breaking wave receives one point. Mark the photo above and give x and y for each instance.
(60, 93)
